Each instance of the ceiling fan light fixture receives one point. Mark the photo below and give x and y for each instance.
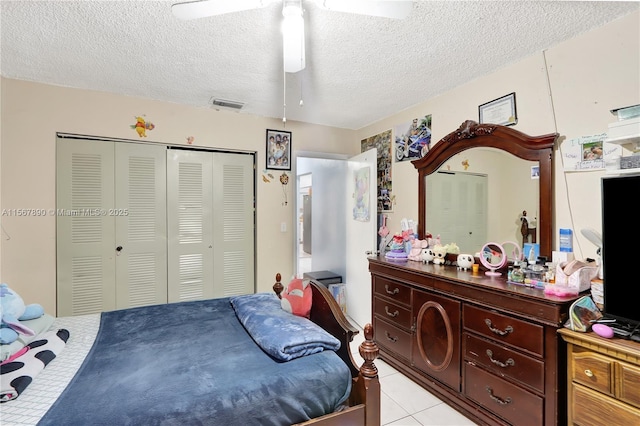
(293, 36)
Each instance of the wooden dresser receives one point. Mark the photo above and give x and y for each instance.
(603, 379)
(488, 348)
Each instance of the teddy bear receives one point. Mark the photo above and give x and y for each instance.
(440, 252)
(13, 311)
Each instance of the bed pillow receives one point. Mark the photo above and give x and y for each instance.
(297, 298)
(283, 336)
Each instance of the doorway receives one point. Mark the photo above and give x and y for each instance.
(304, 223)
(337, 239)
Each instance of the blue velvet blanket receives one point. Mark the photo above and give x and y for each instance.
(193, 363)
(281, 334)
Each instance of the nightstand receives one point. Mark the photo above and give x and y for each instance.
(603, 379)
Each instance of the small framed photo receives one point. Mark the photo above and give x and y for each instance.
(278, 150)
(535, 172)
(500, 111)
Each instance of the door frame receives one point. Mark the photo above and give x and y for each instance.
(296, 189)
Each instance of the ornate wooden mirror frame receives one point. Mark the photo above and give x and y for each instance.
(470, 135)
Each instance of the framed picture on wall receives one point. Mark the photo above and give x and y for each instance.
(278, 149)
(499, 111)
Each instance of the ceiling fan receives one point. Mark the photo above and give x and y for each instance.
(293, 22)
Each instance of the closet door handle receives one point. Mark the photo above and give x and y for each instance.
(119, 248)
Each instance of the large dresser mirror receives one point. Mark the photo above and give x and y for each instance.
(503, 171)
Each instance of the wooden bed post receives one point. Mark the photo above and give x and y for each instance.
(367, 385)
(278, 287)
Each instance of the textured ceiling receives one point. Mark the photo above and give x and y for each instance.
(359, 69)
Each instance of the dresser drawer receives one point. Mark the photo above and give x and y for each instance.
(502, 398)
(593, 370)
(392, 290)
(392, 338)
(593, 408)
(392, 312)
(505, 329)
(504, 361)
(628, 382)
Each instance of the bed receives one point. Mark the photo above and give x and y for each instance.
(199, 363)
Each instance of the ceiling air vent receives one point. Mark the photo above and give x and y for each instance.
(227, 104)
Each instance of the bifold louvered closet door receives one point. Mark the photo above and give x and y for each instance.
(111, 225)
(210, 224)
(131, 214)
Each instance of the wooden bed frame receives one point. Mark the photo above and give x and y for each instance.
(364, 400)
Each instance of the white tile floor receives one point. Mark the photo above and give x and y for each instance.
(404, 403)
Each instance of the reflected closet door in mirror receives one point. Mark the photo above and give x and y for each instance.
(537, 149)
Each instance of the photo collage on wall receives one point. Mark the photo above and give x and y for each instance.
(382, 142)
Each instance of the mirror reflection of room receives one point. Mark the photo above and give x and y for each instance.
(470, 200)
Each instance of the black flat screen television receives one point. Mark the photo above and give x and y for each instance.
(620, 242)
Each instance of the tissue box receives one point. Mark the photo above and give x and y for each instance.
(579, 281)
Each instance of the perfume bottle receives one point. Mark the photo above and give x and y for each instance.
(517, 275)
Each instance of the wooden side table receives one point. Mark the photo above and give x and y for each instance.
(603, 382)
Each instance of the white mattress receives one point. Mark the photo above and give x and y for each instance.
(36, 399)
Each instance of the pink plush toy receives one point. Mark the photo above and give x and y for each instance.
(297, 298)
(416, 249)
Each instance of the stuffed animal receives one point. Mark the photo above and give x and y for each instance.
(452, 248)
(416, 249)
(440, 252)
(13, 311)
(297, 298)
(465, 262)
(427, 255)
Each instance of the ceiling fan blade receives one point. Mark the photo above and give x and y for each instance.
(205, 8)
(395, 9)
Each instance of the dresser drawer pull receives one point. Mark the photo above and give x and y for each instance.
(497, 331)
(589, 373)
(497, 399)
(510, 362)
(391, 314)
(395, 290)
(390, 337)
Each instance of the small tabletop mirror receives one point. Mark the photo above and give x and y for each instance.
(493, 257)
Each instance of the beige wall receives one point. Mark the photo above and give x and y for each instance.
(32, 114)
(587, 76)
